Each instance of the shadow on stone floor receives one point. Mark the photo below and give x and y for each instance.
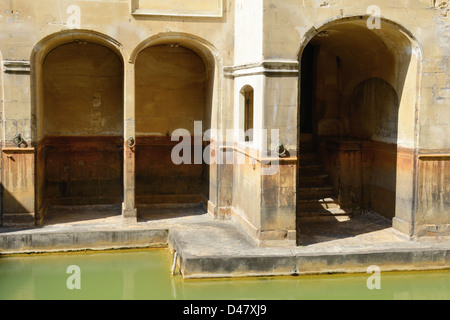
(162, 212)
(362, 226)
(81, 214)
(58, 215)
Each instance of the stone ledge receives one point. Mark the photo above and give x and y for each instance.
(65, 241)
(235, 256)
(387, 260)
(286, 68)
(207, 248)
(198, 267)
(210, 9)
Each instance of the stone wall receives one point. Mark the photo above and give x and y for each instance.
(370, 53)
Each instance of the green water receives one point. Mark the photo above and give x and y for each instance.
(146, 275)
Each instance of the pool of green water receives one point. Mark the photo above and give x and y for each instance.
(146, 275)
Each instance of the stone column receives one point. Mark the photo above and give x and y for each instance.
(129, 212)
(278, 190)
(264, 185)
(18, 152)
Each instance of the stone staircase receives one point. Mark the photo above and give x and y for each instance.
(316, 201)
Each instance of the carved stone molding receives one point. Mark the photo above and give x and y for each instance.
(178, 8)
(16, 66)
(267, 68)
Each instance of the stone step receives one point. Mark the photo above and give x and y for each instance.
(315, 192)
(18, 220)
(314, 180)
(309, 158)
(324, 212)
(336, 214)
(317, 204)
(308, 148)
(311, 168)
(306, 138)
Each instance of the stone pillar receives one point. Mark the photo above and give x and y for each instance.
(221, 181)
(404, 219)
(264, 185)
(129, 212)
(18, 152)
(278, 191)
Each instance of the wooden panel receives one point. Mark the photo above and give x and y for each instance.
(434, 191)
(18, 180)
(83, 170)
(157, 175)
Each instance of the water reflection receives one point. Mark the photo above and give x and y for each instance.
(146, 275)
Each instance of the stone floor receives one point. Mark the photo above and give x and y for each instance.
(110, 215)
(209, 247)
(368, 229)
(365, 228)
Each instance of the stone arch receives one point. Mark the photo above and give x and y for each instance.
(92, 146)
(172, 50)
(52, 41)
(202, 47)
(372, 59)
(206, 51)
(375, 99)
(246, 110)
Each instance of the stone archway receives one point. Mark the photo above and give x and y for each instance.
(359, 105)
(176, 86)
(78, 95)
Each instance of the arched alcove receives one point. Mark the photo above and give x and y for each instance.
(175, 78)
(78, 99)
(246, 105)
(358, 105)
